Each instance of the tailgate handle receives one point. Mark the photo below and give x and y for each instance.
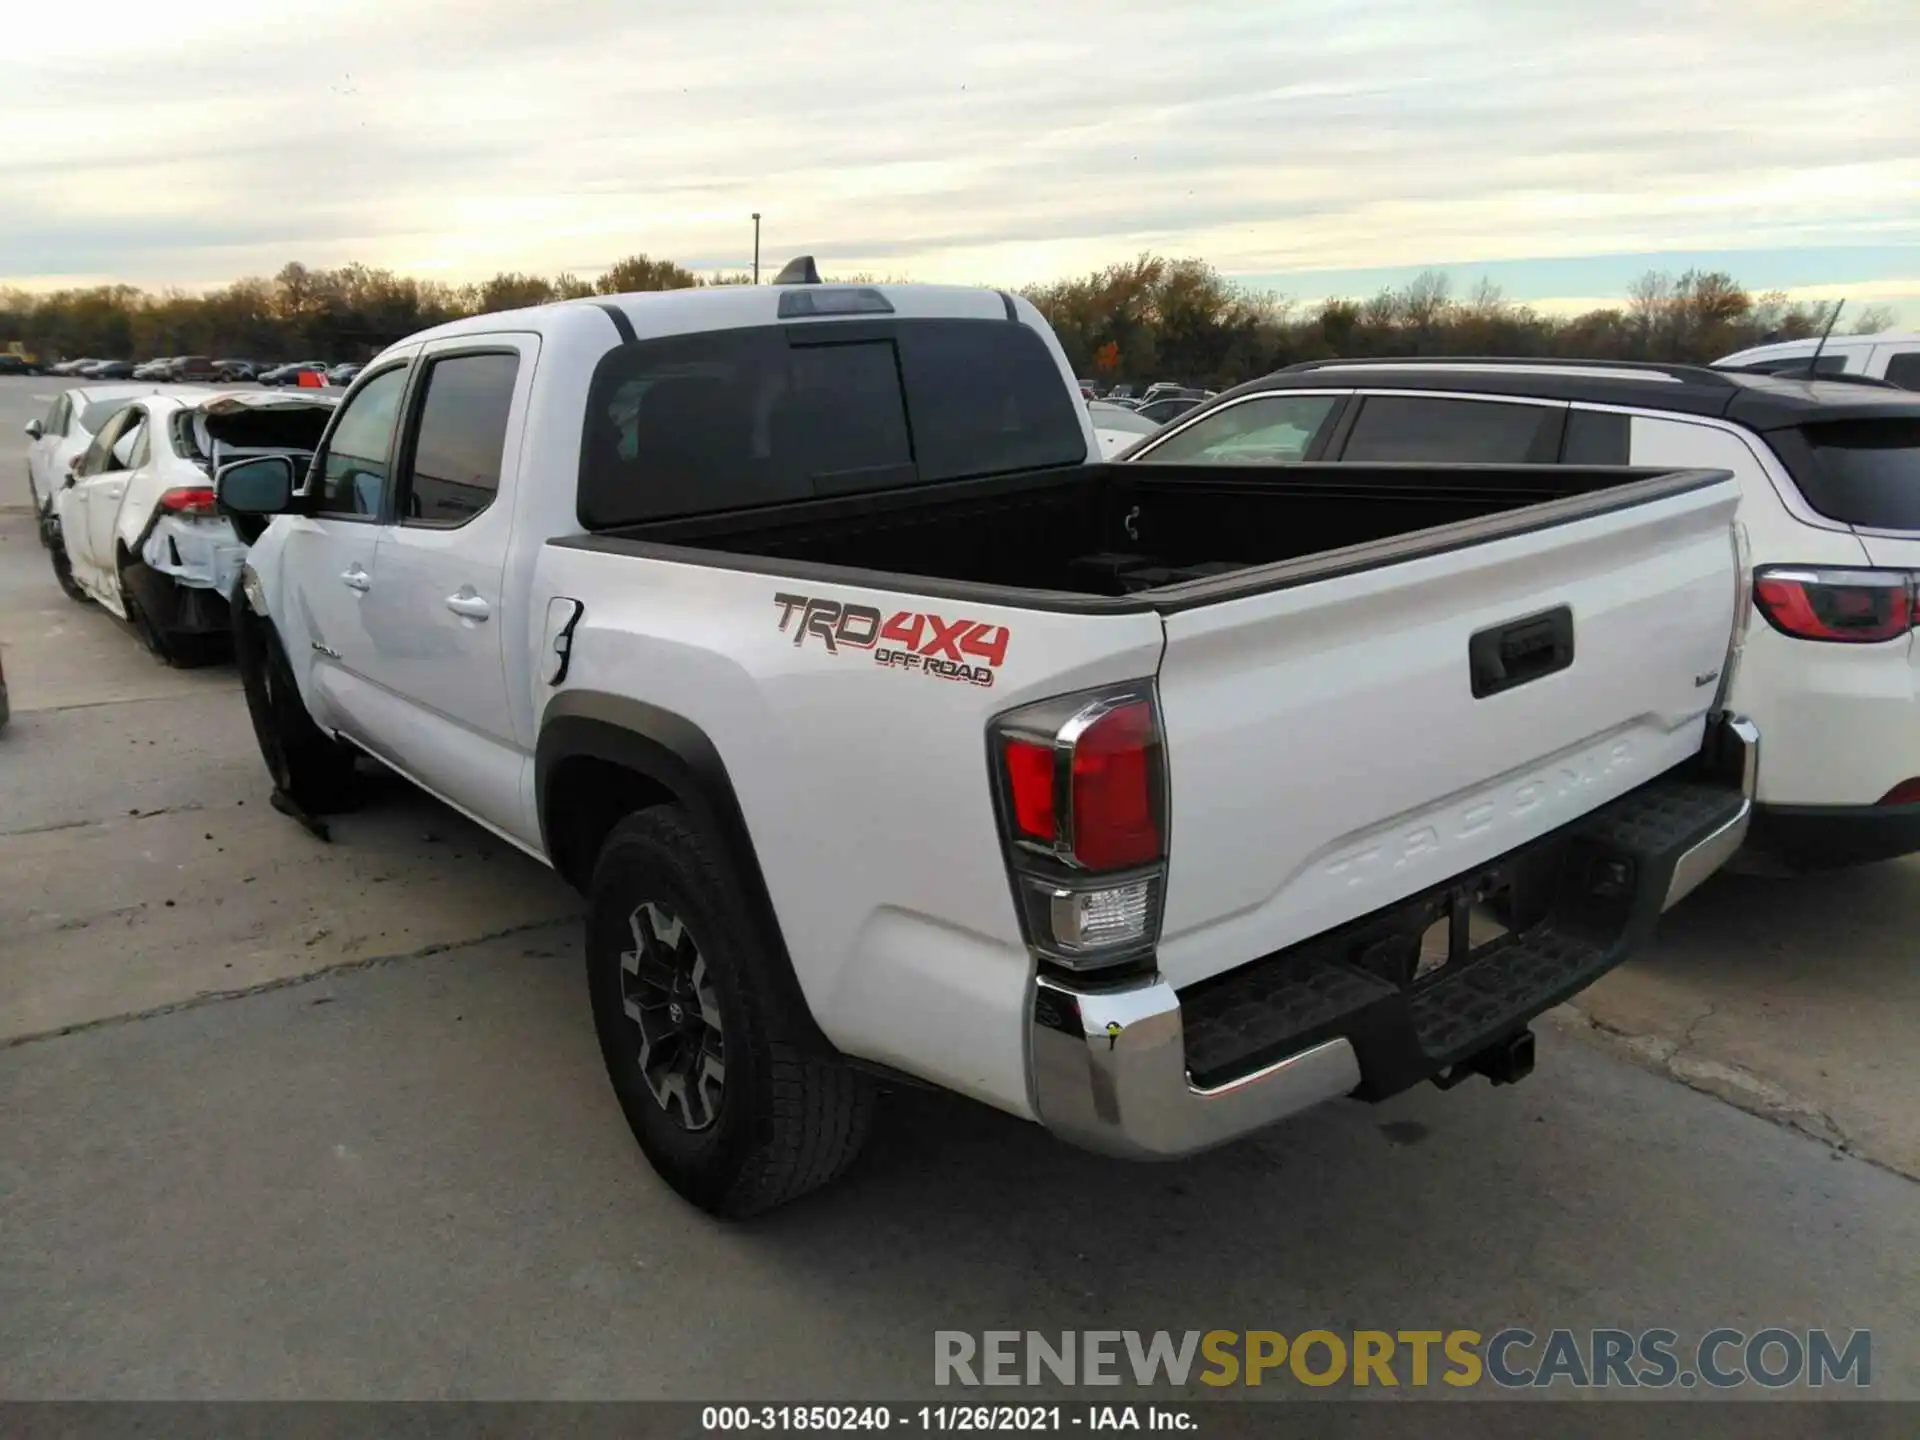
(1504, 656)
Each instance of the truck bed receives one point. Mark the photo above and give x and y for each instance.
(1155, 535)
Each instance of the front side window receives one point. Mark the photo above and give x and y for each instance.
(352, 476)
(1433, 430)
(459, 442)
(60, 416)
(1266, 430)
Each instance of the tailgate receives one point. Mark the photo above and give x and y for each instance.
(1327, 751)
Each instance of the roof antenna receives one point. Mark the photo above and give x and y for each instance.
(1814, 360)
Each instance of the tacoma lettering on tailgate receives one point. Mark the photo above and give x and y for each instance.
(947, 649)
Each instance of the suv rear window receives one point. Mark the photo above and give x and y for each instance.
(728, 419)
(1859, 472)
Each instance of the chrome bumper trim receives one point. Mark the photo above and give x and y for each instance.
(1742, 739)
(1110, 1074)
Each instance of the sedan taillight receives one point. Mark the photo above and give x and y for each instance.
(189, 500)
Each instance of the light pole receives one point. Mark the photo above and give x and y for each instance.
(756, 247)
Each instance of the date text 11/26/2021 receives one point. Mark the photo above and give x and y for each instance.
(977, 1419)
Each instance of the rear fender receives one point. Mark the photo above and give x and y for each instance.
(679, 764)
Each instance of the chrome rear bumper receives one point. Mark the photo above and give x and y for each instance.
(1109, 1064)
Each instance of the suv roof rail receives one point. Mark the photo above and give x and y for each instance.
(1677, 373)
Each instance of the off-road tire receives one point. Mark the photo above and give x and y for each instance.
(306, 764)
(790, 1117)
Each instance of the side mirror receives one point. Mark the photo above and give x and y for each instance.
(260, 486)
(35, 429)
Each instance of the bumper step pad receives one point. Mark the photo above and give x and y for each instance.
(1607, 875)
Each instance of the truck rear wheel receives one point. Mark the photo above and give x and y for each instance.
(307, 765)
(734, 1110)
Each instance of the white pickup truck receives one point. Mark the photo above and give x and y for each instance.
(890, 734)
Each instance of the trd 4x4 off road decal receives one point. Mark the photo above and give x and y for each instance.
(962, 649)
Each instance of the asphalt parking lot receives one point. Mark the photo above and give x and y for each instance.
(290, 1119)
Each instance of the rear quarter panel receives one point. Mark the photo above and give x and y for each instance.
(864, 786)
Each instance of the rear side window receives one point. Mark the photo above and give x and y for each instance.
(1859, 472)
(460, 439)
(730, 419)
(1904, 370)
(1597, 437)
(1424, 428)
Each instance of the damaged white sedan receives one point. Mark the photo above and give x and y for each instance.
(135, 526)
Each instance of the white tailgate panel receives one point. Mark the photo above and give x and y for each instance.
(1328, 756)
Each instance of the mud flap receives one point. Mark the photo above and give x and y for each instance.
(290, 807)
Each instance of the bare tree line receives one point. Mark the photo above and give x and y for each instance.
(1146, 318)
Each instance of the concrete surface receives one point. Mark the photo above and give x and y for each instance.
(412, 1181)
(309, 1132)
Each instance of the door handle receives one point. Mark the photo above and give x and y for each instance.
(357, 579)
(468, 606)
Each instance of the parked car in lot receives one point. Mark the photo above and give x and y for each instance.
(1829, 475)
(1168, 407)
(137, 529)
(155, 369)
(56, 443)
(290, 374)
(343, 375)
(69, 367)
(1892, 355)
(1117, 428)
(193, 370)
(787, 623)
(11, 364)
(233, 371)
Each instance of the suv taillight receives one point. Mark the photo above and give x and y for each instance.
(1857, 607)
(1082, 787)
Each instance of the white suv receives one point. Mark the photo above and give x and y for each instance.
(1893, 356)
(1829, 471)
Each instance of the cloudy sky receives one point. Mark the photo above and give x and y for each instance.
(1313, 146)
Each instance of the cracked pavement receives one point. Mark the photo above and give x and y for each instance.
(290, 1119)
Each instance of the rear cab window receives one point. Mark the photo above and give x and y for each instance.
(731, 419)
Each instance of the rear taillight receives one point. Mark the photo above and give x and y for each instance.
(1907, 792)
(1082, 789)
(1857, 607)
(188, 500)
